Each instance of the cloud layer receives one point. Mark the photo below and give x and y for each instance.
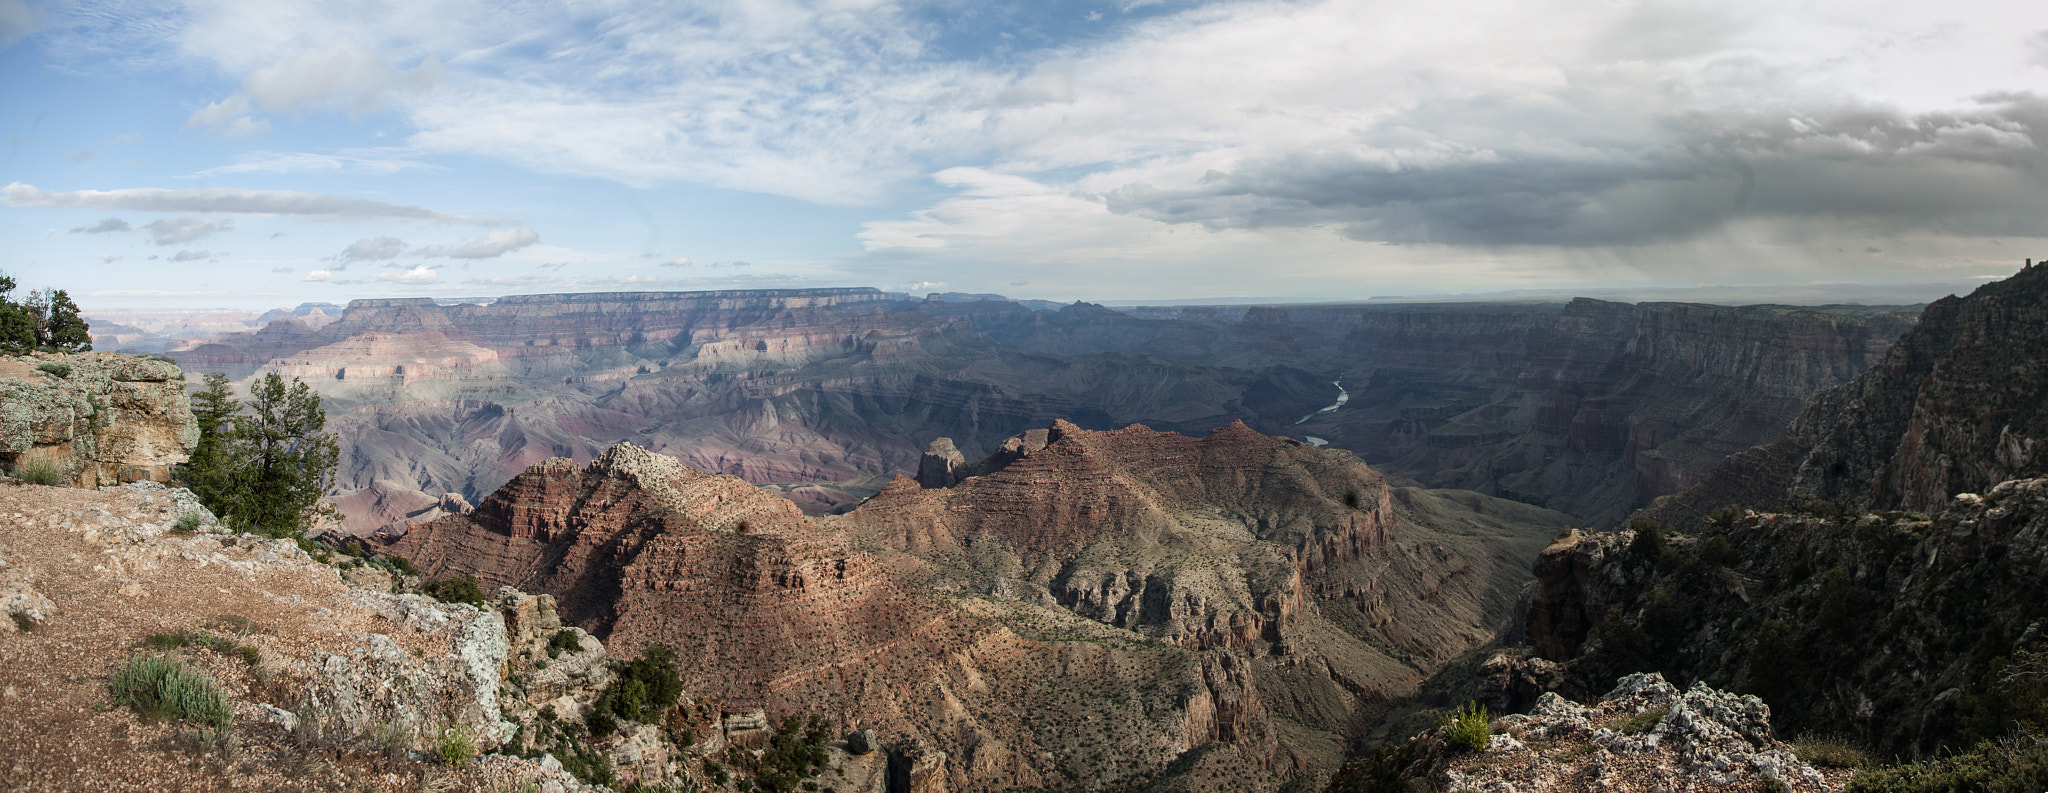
(231, 201)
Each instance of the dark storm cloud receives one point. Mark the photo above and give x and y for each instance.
(1978, 173)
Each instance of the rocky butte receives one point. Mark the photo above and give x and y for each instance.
(1084, 607)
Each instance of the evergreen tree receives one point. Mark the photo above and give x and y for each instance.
(47, 319)
(213, 409)
(17, 331)
(264, 470)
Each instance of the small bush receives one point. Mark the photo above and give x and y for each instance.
(1644, 722)
(55, 368)
(1831, 751)
(22, 621)
(455, 747)
(1649, 539)
(1717, 551)
(458, 590)
(402, 565)
(162, 688)
(187, 523)
(1469, 728)
(39, 472)
(742, 527)
(564, 640)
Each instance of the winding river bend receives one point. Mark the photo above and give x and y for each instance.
(1343, 396)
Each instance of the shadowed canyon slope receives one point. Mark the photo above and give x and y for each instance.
(1090, 608)
(1592, 408)
(1870, 572)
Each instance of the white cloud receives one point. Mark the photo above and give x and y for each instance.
(231, 201)
(173, 231)
(110, 258)
(419, 274)
(342, 75)
(16, 21)
(681, 261)
(488, 246)
(318, 275)
(103, 227)
(191, 256)
(373, 249)
(378, 162)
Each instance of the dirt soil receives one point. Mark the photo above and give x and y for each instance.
(116, 575)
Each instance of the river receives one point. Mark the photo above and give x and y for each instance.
(1343, 396)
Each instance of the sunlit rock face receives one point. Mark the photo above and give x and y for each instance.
(1080, 607)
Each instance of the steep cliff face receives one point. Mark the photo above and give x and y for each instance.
(98, 418)
(1955, 406)
(1841, 603)
(1089, 607)
(1617, 404)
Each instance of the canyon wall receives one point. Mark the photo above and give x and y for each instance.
(1592, 408)
(1091, 606)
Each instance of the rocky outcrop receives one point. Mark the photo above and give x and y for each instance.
(1090, 606)
(1643, 735)
(1955, 406)
(97, 418)
(1881, 624)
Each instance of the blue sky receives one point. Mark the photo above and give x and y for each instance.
(262, 154)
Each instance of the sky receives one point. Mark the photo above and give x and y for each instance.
(257, 154)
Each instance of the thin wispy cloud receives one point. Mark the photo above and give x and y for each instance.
(232, 201)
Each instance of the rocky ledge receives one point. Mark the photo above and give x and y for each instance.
(1645, 735)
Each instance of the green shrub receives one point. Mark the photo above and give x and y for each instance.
(2013, 765)
(39, 472)
(1469, 728)
(1649, 539)
(163, 688)
(644, 688)
(1717, 551)
(55, 368)
(1831, 751)
(564, 640)
(1644, 722)
(186, 524)
(455, 747)
(458, 590)
(402, 565)
(22, 621)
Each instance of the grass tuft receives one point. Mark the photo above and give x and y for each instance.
(1469, 728)
(1644, 722)
(455, 747)
(39, 472)
(1831, 751)
(187, 523)
(22, 621)
(159, 687)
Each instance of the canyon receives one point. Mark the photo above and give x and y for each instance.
(1591, 408)
(1091, 607)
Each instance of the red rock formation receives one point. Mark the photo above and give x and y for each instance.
(1089, 610)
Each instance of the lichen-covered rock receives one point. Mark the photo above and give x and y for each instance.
(378, 685)
(99, 418)
(1643, 735)
(19, 599)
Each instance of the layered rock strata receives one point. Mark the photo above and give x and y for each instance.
(97, 418)
(1591, 407)
(1090, 606)
(1955, 406)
